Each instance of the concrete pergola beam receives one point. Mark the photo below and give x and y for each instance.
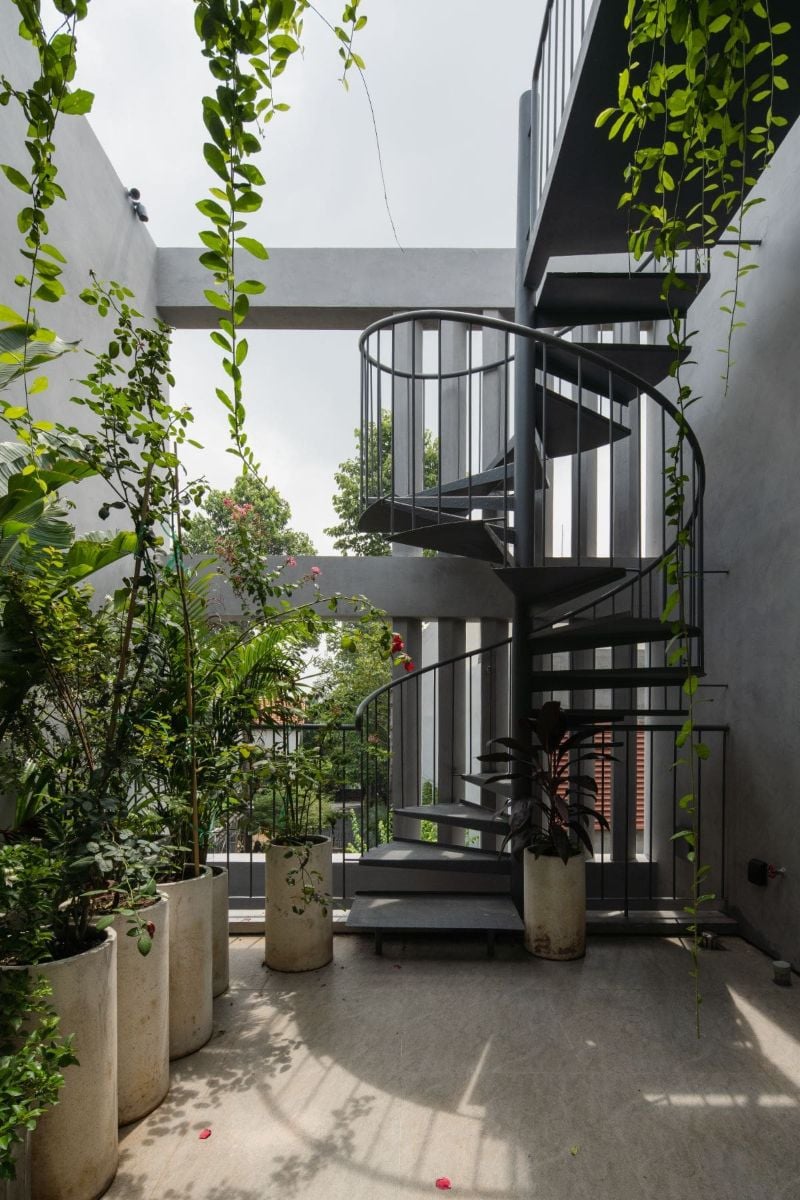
(413, 588)
(340, 288)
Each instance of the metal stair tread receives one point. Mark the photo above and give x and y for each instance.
(465, 816)
(608, 677)
(596, 297)
(546, 587)
(431, 856)
(650, 362)
(471, 539)
(604, 631)
(434, 912)
(501, 787)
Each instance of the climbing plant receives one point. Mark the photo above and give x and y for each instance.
(24, 343)
(697, 101)
(248, 45)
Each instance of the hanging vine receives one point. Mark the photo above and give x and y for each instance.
(24, 343)
(698, 93)
(248, 44)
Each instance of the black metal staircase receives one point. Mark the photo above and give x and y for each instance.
(588, 600)
(552, 440)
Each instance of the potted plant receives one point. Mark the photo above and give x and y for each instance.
(549, 825)
(298, 866)
(32, 1059)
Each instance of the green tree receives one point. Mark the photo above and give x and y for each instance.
(348, 539)
(260, 506)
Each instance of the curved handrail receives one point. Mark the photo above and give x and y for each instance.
(445, 662)
(546, 339)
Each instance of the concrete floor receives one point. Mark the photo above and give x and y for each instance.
(515, 1078)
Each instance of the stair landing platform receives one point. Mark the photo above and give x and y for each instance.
(384, 914)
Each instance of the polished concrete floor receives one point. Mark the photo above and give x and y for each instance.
(514, 1078)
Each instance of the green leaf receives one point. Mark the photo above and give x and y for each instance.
(253, 246)
(77, 103)
(16, 177)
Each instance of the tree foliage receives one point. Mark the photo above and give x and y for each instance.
(259, 505)
(347, 500)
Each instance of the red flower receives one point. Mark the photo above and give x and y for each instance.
(408, 665)
(150, 928)
(397, 643)
(206, 1133)
(443, 1184)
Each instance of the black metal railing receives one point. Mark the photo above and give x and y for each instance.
(438, 449)
(563, 27)
(432, 725)
(325, 761)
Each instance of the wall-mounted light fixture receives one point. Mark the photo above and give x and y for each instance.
(134, 195)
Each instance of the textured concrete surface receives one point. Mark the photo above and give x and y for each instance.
(516, 1078)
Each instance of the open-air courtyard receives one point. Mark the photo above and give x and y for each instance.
(514, 1078)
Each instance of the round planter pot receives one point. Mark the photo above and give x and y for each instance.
(221, 967)
(74, 1146)
(555, 906)
(190, 965)
(19, 1188)
(298, 941)
(142, 1016)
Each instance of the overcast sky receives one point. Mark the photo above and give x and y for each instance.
(445, 83)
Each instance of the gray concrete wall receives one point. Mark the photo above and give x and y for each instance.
(94, 228)
(750, 438)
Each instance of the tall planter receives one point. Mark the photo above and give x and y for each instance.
(221, 964)
(143, 1016)
(19, 1188)
(298, 941)
(74, 1146)
(190, 963)
(555, 906)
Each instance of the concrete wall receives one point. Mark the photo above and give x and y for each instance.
(94, 228)
(751, 438)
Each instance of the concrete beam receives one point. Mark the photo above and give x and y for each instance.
(417, 588)
(341, 289)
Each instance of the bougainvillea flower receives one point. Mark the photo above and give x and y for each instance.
(443, 1184)
(408, 665)
(397, 643)
(315, 571)
(291, 561)
(206, 1133)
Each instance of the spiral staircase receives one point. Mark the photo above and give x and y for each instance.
(544, 457)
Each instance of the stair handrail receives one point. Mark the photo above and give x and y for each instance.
(418, 672)
(546, 339)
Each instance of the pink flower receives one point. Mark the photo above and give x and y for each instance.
(315, 572)
(443, 1184)
(397, 643)
(206, 1133)
(227, 502)
(291, 561)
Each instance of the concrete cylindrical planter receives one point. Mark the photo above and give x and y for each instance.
(221, 968)
(298, 941)
(190, 963)
(19, 1188)
(555, 906)
(142, 1016)
(74, 1146)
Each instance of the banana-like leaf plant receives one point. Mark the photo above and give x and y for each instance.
(553, 816)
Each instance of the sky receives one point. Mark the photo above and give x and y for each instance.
(445, 84)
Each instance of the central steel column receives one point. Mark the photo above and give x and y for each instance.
(524, 451)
